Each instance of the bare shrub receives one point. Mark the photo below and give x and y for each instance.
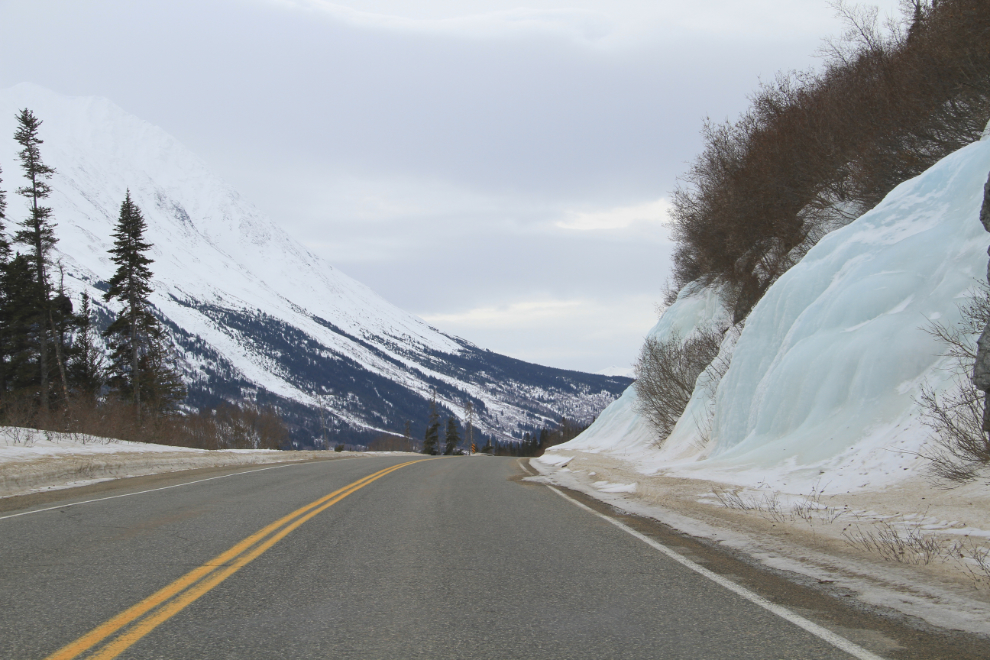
(230, 427)
(911, 547)
(666, 372)
(959, 448)
(815, 150)
(978, 566)
(809, 508)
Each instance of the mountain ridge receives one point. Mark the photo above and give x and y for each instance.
(253, 313)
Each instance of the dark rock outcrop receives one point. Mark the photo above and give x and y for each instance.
(981, 370)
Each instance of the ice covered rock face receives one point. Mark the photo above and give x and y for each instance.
(827, 371)
(836, 351)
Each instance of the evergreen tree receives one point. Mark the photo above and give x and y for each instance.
(469, 425)
(37, 230)
(161, 385)
(4, 261)
(86, 364)
(451, 438)
(3, 200)
(23, 327)
(140, 366)
(62, 321)
(431, 439)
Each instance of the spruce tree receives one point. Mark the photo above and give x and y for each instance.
(37, 231)
(4, 261)
(140, 366)
(161, 384)
(86, 363)
(3, 199)
(451, 438)
(432, 437)
(22, 326)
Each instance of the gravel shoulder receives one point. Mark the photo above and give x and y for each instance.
(912, 550)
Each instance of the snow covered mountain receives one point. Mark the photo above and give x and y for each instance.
(825, 378)
(252, 312)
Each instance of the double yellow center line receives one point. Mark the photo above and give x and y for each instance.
(112, 638)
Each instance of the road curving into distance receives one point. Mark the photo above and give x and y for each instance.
(392, 557)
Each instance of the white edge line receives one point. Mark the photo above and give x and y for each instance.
(822, 633)
(153, 490)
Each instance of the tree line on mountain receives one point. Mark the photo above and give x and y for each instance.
(535, 443)
(814, 151)
(454, 443)
(59, 372)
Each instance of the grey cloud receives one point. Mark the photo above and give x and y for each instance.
(424, 161)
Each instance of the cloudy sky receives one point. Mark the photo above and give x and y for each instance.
(498, 167)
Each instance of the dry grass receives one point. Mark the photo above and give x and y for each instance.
(809, 508)
(911, 546)
(904, 544)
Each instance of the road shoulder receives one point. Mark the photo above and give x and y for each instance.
(836, 592)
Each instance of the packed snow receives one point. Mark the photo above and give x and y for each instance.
(825, 375)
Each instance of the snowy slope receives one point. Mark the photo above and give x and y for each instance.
(253, 311)
(826, 373)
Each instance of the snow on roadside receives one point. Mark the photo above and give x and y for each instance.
(806, 536)
(33, 461)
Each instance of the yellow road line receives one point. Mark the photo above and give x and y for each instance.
(200, 580)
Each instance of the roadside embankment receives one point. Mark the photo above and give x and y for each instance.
(911, 548)
(33, 461)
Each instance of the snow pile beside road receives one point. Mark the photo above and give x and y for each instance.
(33, 460)
(825, 375)
(619, 430)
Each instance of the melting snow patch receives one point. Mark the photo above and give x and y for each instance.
(554, 460)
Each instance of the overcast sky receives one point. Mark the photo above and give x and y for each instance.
(499, 168)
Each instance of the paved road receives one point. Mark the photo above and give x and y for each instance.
(445, 558)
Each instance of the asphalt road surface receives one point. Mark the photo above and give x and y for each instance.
(442, 558)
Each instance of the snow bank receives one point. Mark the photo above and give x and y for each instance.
(32, 460)
(825, 375)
